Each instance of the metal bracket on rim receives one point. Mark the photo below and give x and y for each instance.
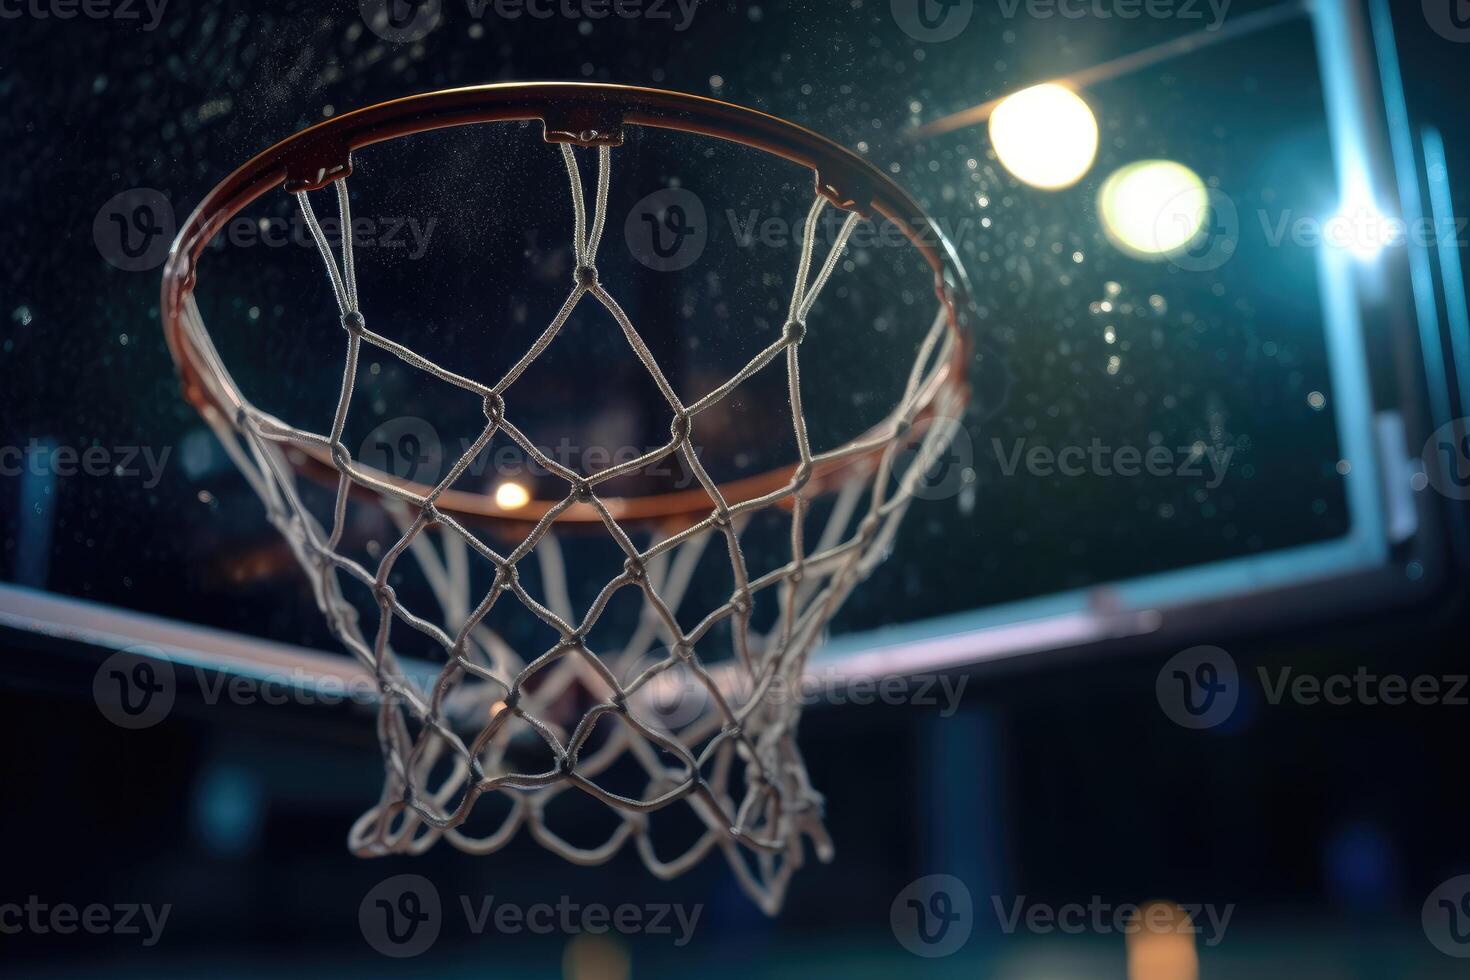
(315, 165)
(585, 125)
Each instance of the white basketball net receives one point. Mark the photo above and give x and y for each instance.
(736, 765)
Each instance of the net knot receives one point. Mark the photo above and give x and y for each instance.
(353, 323)
(581, 491)
(720, 518)
(585, 276)
(741, 603)
(679, 427)
(802, 476)
(683, 651)
(794, 332)
(386, 594)
(869, 527)
(493, 406)
(341, 458)
(635, 570)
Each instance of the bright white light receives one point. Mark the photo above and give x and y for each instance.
(1045, 135)
(1362, 229)
(511, 496)
(1153, 209)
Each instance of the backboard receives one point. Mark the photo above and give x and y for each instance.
(1235, 431)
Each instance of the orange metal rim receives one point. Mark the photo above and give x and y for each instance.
(584, 114)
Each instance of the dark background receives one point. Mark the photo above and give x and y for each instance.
(1058, 780)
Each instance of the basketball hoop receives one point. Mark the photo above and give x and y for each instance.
(735, 762)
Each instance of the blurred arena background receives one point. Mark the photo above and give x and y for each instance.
(1041, 759)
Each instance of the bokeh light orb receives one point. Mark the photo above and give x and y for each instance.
(512, 496)
(1045, 135)
(1153, 209)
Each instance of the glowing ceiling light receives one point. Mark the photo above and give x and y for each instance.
(511, 496)
(1045, 135)
(1153, 209)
